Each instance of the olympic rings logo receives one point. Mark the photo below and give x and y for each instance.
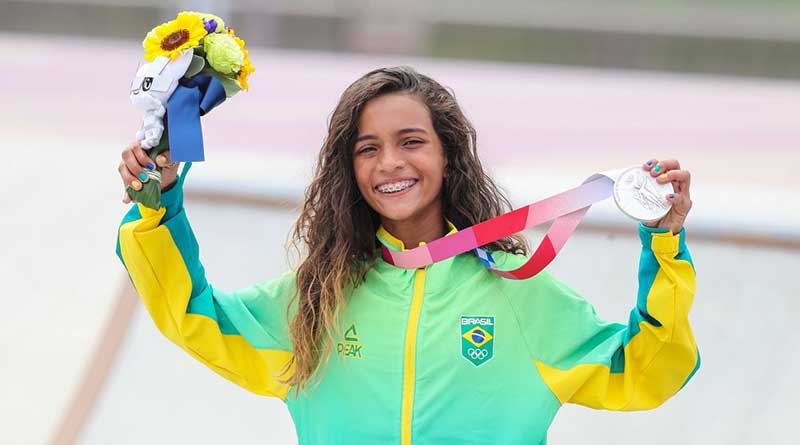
(477, 354)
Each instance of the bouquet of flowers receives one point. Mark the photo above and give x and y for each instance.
(194, 63)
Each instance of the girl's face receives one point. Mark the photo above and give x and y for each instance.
(398, 159)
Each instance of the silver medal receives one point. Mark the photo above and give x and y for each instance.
(640, 196)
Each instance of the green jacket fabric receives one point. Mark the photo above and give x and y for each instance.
(449, 353)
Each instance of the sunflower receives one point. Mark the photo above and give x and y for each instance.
(247, 67)
(169, 39)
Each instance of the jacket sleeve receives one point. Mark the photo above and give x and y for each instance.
(240, 335)
(588, 361)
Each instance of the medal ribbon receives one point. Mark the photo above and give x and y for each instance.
(566, 208)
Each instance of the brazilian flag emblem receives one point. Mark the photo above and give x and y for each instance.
(477, 338)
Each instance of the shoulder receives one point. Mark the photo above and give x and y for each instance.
(283, 283)
(277, 289)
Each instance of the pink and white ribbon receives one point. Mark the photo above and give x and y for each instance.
(567, 208)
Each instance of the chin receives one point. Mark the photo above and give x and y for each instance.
(395, 213)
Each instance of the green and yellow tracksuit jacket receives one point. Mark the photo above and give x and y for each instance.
(450, 353)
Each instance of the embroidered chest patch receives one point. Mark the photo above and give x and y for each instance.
(477, 338)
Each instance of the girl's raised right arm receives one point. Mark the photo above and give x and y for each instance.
(241, 335)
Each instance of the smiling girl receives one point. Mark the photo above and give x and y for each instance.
(362, 351)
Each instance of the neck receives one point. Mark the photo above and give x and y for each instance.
(413, 231)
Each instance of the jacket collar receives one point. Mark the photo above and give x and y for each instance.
(392, 280)
(393, 243)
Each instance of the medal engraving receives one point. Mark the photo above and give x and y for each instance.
(640, 196)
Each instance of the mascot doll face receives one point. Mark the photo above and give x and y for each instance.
(150, 90)
(159, 78)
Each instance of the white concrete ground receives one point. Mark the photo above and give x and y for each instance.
(542, 129)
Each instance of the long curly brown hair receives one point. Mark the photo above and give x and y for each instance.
(336, 228)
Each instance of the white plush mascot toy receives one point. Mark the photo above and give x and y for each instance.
(152, 86)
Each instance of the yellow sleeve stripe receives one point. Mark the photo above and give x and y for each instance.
(658, 359)
(232, 357)
(654, 372)
(162, 280)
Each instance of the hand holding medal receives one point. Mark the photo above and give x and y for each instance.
(669, 172)
(195, 62)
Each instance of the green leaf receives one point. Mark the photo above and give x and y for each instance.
(197, 65)
(150, 194)
(231, 86)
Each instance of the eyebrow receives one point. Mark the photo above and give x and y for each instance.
(399, 132)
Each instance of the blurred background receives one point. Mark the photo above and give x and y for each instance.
(557, 90)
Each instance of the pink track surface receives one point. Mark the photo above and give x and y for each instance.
(540, 116)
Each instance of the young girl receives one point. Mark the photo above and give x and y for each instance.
(365, 352)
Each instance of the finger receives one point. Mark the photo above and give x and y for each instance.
(680, 179)
(673, 176)
(143, 159)
(164, 161)
(128, 178)
(681, 204)
(649, 164)
(126, 199)
(664, 166)
(133, 166)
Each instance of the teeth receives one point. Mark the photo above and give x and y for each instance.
(396, 186)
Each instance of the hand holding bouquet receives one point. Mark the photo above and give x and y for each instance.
(193, 64)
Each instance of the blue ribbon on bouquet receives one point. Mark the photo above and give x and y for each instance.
(192, 98)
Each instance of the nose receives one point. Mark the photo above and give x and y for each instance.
(390, 158)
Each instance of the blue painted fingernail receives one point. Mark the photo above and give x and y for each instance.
(657, 169)
(671, 196)
(150, 166)
(143, 176)
(649, 162)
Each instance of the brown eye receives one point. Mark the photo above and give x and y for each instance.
(366, 149)
(413, 142)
